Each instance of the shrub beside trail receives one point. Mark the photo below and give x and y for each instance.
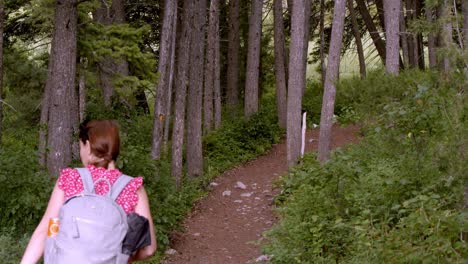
(397, 196)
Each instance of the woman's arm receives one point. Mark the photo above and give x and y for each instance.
(36, 245)
(142, 208)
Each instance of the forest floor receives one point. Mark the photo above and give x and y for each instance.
(226, 226)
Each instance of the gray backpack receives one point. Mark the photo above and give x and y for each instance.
(92, 227)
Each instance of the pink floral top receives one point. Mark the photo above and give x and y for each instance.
(70, 182)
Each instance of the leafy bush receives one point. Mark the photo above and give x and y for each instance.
(394, 198)
(27, 189)
(241, 139)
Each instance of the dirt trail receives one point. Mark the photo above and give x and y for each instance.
(224, 227)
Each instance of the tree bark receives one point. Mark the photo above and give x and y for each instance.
(419, 37)
(217, 71)
(183, 54)
(208, 97)
(404, 38)
(171, 81)
(374, 33)
(296, 80)
(357, 37)
(322, 41)
(412, 38)
(162, 87)
(328, 102)
(253, 59)
(232, 92)
(431, 41)
(2, 22)
(465, 24)
(195, 92)
(447, 34)
(379, 4)
(392, 20)
(61, 82)
(280, 72)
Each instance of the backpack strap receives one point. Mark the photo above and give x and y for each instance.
(119, 185)
(87, 180)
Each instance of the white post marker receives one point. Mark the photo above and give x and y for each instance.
(304, 127)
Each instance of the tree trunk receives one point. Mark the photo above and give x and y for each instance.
(217, 71)
(465, 24)
(328, 102)
(380, 12)
(431, 41)
(392, 20)
(61, 82)
(404, 38)
(208, 97)
(419, 37)
(162, 87)
(322, 41)
(280, 72)
(296, 80)
(183, 54)
(447, 34)
(171, 81)
(232, 92)
(357, 37)
(412, 38)
(374, 33)
(253, 59)
(108, 67)
(308, 30)
(195, 92)
(2, 22)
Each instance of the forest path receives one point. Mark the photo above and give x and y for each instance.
(225, 226)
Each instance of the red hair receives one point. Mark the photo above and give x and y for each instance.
(103, 136)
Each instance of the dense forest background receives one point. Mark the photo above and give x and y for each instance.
(199, 86)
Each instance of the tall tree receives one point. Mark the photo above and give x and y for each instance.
(280, 71)
(392, 25)
(217, 71)
(171, 79)
(253, 59)
(2, 22)
(195, 92)
(232, 90)
(404, 38)
(372, 29)
(357, 38)
(431, 40)
(162, 88)
(109, 67)
(60, 86)
(465, 23)
(208, 96)
(328, 102)
(412, 38)
(178, 130)
(296, 81)
(447, 35)
(322, 40)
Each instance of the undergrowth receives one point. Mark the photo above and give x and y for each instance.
(397, 196)
(26, 188)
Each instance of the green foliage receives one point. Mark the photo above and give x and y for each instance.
(240, 139)
(25, 190)
(395, 197)
(312, 102)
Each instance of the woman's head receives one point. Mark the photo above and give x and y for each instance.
(99, 142)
